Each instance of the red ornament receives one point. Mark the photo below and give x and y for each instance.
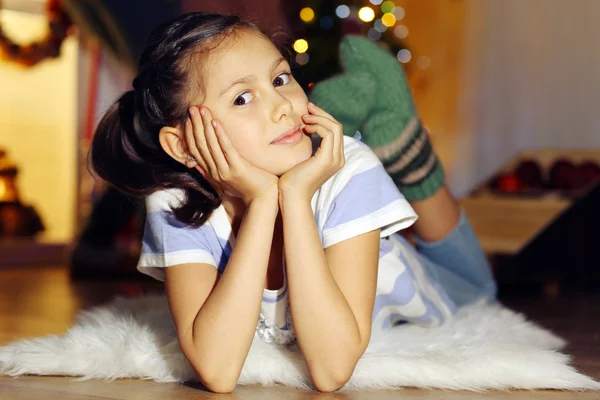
(530, 175)
(589, 172)
(563, 175)
(509, 183)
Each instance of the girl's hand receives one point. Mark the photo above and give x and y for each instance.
(305, 178)
(216, 155)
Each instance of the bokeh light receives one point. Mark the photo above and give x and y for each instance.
(342, 11)
(423, 62)
(398, 13)
(401, 31)
(388, 7)
(302, 58)
(307, 14)
(301, 46)
(326, 22)
(366, 14)
(378, 25)
(388, 19)
(376, 2)
(404, 56)
(374, 34)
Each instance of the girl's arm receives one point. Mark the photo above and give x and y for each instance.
(216, 330)
(332, 293)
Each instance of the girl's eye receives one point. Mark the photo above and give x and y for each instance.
(282, 79)
(243, 99)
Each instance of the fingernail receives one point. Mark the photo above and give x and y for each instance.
(311, 103)
(214, 123)
(203, 111)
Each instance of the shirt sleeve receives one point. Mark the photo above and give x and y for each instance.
(364, 198)
(168, 242)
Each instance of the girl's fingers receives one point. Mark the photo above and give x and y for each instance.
(327, 136)
(213, 142)
(334, 126)
(229, 151)
(198, 144)
(191, 143)
(314, 109)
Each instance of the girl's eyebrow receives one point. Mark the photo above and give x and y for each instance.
(252, 77)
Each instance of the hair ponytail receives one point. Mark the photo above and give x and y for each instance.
(117, 154)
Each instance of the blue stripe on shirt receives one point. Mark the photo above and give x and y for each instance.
(163, 233)
(364, 194)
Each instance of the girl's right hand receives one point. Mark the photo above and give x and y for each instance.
(212, 149)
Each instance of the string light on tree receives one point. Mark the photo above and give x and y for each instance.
(301, 46)
(401, 31)
(374, 34)
(423, 62)
(388, 7)
(404, 56)
(342, 11)
(388, 19)
(366, 14)
(398, 13)
(379, 26)
(307, 14)
(302, 58)
(327, 21)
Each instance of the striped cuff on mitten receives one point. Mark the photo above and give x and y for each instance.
(413, 165)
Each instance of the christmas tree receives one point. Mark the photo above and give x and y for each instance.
(324, 23)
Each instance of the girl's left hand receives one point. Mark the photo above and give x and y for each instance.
(305, 178)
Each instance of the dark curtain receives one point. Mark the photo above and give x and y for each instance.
(122, 25)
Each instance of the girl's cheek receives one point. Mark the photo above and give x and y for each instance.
(302, 102)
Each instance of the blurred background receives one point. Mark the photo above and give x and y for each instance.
(507, 89)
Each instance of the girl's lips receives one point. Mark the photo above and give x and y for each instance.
(291, 138)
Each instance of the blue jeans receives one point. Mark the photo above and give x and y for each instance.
(459, 264)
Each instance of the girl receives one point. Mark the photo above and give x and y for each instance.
(250, 219)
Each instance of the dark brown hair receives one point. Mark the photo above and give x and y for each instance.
(125, 150)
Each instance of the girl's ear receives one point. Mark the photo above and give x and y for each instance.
(172, 141)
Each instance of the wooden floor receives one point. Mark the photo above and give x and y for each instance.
(36, 301)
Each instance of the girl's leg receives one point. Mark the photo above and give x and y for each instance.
(449, 248)
(459, 264)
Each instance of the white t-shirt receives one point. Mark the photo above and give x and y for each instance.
(359, 198)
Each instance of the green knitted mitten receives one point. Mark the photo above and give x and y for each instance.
(356, 89)
(372, 96)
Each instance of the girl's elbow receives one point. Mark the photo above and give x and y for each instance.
(215, 377)
(328, 377)
(331, 382)
(331, 378)
(217, 383)
(213, 373)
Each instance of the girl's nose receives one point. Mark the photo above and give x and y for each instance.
(282, 108)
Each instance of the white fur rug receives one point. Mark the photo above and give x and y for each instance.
(485, 347)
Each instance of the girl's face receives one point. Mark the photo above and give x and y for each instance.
(249, 89)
